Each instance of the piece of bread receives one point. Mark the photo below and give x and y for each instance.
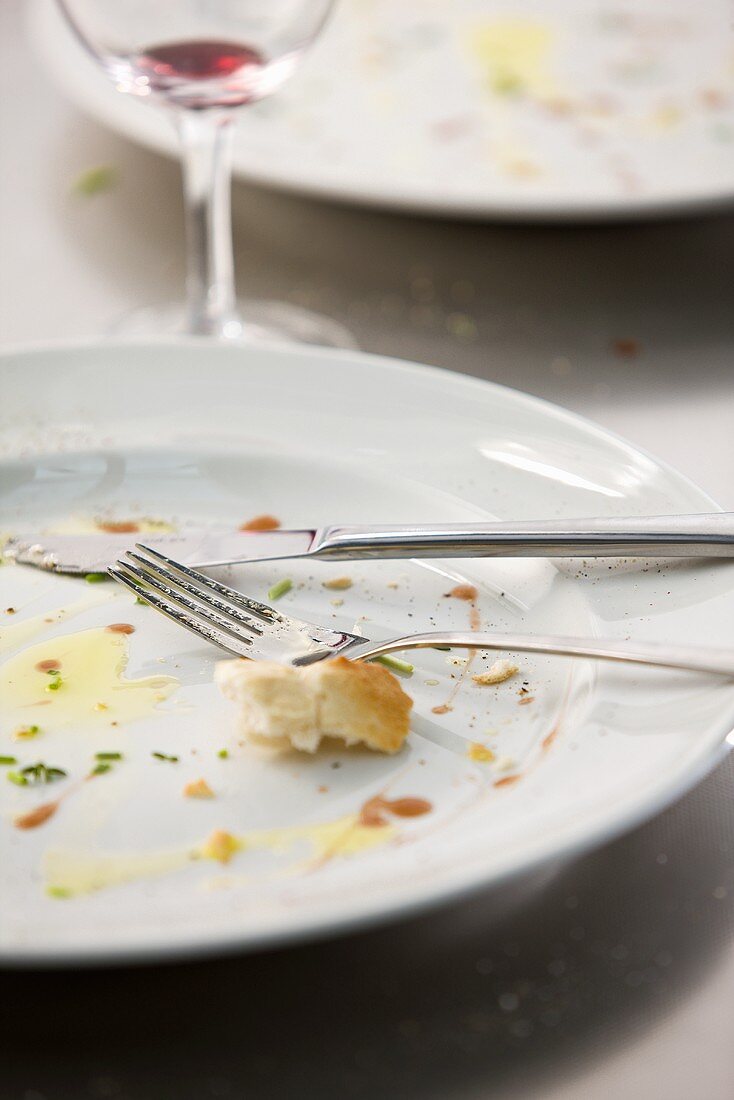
(285, 706)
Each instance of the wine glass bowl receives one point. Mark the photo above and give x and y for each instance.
(198, 55)
(203, 59)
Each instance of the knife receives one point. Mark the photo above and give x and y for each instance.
(685, 536)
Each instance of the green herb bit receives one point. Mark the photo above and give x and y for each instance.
(56, 680)
(7, 760)
(96, 578)
(165, 756)
(395, 664)
(101, 768)
(27, 732)
(280, 589)
(41, 773)
(223, 754)
(108, 756)
(17, 778)
(506, 83)
(58, 892)
(143, 602)
(96, 180)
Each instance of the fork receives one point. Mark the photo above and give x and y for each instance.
(247, 628)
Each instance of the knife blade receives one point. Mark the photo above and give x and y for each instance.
(83, 554)
(683, 536)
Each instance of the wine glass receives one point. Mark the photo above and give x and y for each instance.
(203, 59)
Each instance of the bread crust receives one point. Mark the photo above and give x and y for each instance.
(285, 706)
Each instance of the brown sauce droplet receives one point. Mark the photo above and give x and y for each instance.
(373, 812)
(463, 592)
(119, 527)
(442, 708)
(120, 628)
(409, 807)
(261, 523)
(36, 817)
(548, 740)
(507, 781)
(46, 666)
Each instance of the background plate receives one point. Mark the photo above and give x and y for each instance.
(555, 110)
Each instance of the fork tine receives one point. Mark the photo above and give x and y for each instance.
(202, 613)
(201, 626)
(261, 610)
(200, 593)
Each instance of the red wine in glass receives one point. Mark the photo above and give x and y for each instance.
(230, 71)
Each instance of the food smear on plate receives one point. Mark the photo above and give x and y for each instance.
(469, 594)
(70, 873)
(374, 811)
(515, 55)
(16, 634)
(285, 707)
(111, 525)
(78, 679)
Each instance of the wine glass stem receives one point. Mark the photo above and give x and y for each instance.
(206, 154)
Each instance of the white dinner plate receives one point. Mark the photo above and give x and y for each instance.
(188, 431)
(552, 109)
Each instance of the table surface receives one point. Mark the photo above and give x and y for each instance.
(613, 976)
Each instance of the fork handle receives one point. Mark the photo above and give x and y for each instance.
(691, 658)
(685, 536)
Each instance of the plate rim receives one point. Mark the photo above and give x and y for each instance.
(426, 896)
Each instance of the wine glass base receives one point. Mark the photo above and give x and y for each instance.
(257, 321)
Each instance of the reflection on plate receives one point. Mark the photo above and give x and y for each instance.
(158, 830)
(563, 109)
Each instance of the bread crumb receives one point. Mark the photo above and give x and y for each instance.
(221, 846)
(480, 753)
(497, 673)
(285, 707)
(505, 764)
(338, 584)
(336, 603)
(198, 788)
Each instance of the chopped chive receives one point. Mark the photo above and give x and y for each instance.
(395, 664)
(39, 773)
(108, 756)
(280, 589)
(8, 760)
(56, 680)
(223, 754)
(143, 602)
(165, 756)
(96, 578)
(27, 732)
(101, 768)
(58, 892)
(17, 778)
(95, 180)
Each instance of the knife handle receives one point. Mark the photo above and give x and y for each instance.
(687, 536)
